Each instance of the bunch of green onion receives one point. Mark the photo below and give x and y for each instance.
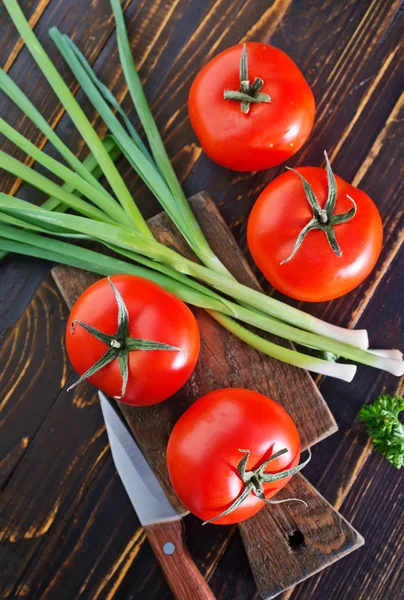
(114, 219)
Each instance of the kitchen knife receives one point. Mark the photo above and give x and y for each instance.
(162, 524)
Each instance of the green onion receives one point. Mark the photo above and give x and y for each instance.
(104, 265)
(137, 158)
(121, 237)
(145, 166)
(184, 217)
(124, 238)
(9, 219)
(77, 115)
(8, 86)
(91, 165)
(106, 204)
(19, 169)
(109, 97)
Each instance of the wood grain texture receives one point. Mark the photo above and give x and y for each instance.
(306, 541)
(26, 374)
(11, 42)
(184, 579)
(350, 54)
(68, 475)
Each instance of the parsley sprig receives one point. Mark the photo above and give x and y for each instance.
(383, 425)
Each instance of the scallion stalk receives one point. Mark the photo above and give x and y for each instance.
(107, 94)
(127, 239)
(78, 117)
(184, 217)
(104, 265)
(106, 204)
(19, 169)
(124, 238)
(16, 95)
(10, 220)
(91, 165)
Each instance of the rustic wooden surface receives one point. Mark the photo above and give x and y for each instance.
(70, 530)
(226, 362)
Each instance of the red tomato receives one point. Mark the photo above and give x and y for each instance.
(208, 442)
(154, 314)
(271, 132)
(315, 273)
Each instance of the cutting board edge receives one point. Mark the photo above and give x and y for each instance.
(360, 542)
(355, 543)
(207, 212)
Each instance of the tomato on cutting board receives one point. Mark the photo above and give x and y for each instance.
(216, 444)
(251, 108)
(314, 236)
(132, 339)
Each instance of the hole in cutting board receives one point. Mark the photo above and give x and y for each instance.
(296, 540)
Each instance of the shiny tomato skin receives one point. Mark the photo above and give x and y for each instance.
(271, 132)
(315, 273)
(204, 450)
(154, 314)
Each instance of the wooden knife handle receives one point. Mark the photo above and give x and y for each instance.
(182, 575)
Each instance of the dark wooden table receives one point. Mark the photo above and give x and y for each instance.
(67, 529)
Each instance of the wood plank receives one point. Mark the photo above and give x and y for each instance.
(20, 278)
(377, 571)
(34, 366)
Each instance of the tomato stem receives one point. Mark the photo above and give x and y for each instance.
(323, 219)
(248, 92)
(119, 345)
(255, 479)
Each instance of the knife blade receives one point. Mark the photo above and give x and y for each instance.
(162, 523)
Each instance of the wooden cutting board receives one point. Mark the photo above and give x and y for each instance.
(285, 543)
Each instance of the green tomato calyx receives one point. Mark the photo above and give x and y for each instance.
(323, 219)
(119, 345)
(248, 92)
(255, 479)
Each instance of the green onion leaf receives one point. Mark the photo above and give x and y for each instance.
(77, 115)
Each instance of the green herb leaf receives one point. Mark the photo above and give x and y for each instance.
(383, 425)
